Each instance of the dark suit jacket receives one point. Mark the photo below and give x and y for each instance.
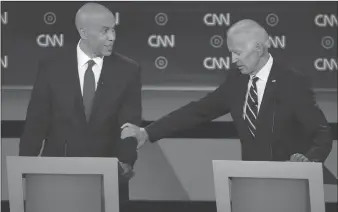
(289, 119)
(56, 111)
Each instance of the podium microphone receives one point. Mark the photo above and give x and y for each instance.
(65, 148)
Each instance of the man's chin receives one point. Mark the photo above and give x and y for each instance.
(108, 53)
(244, 71)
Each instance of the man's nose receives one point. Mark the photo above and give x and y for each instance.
(234, 58)
(111, 35)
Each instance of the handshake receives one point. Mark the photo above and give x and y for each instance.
(130, 130)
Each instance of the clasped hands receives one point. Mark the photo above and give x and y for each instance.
(130, 130)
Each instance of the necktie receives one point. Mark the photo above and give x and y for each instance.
(251, 110)
(89, 89)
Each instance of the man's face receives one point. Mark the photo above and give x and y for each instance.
(101, 34)
(243, 53)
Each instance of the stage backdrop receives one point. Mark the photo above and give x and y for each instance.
(176, 43)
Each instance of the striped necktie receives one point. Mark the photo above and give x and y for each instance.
(251, 111)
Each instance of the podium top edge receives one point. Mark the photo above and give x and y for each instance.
(239, 162)
(60, 157)
(37, 158)
(61, 165)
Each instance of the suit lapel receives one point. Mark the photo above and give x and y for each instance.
(101, 87)
(109, 86)
(268, 97)
(73, 88)
(242, 88)
(239, 104)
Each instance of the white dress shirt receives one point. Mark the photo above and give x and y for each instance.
(263, 76)
(82, 65)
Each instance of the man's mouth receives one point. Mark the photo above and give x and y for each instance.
(109, 47)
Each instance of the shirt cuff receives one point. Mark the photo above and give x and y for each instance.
(145, 133)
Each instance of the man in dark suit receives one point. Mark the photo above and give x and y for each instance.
(81, 99)
(273, 106)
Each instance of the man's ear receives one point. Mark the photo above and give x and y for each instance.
(259, 48)
(267, 43)
(83, 33)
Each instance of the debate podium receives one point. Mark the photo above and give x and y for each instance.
(67, 184)
(267, 186)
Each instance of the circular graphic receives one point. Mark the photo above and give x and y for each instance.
(161, 62)
(49, 18)
(272, 19)
(216, 41)
(161, 19)
(327, 42)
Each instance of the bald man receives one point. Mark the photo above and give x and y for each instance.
(273, 106)
(82, 97)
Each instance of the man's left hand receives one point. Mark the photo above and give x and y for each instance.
(299, 158)
(127, 171)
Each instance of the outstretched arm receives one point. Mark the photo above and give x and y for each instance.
(213, 105)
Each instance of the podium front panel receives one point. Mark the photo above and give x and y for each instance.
(54, 184)
(266, 186)
(55, 193)
(267, 195)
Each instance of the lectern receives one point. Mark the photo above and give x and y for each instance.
(68, 184)
(266, 186)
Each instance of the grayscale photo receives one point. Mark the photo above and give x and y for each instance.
(173, 106)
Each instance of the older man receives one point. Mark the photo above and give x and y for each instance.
(273, 106)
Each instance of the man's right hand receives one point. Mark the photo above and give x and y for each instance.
(131, 130)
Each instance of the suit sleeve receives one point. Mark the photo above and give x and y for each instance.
(313, 120)
(130, 112)
(38, 115)
(211, 106)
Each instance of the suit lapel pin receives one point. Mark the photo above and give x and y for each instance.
(273, 81)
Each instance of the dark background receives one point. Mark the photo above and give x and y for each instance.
(185, 20)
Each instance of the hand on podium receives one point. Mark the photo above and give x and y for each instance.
(299, 158)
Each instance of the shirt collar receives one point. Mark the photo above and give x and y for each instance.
(83, 58)
(263, 74)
